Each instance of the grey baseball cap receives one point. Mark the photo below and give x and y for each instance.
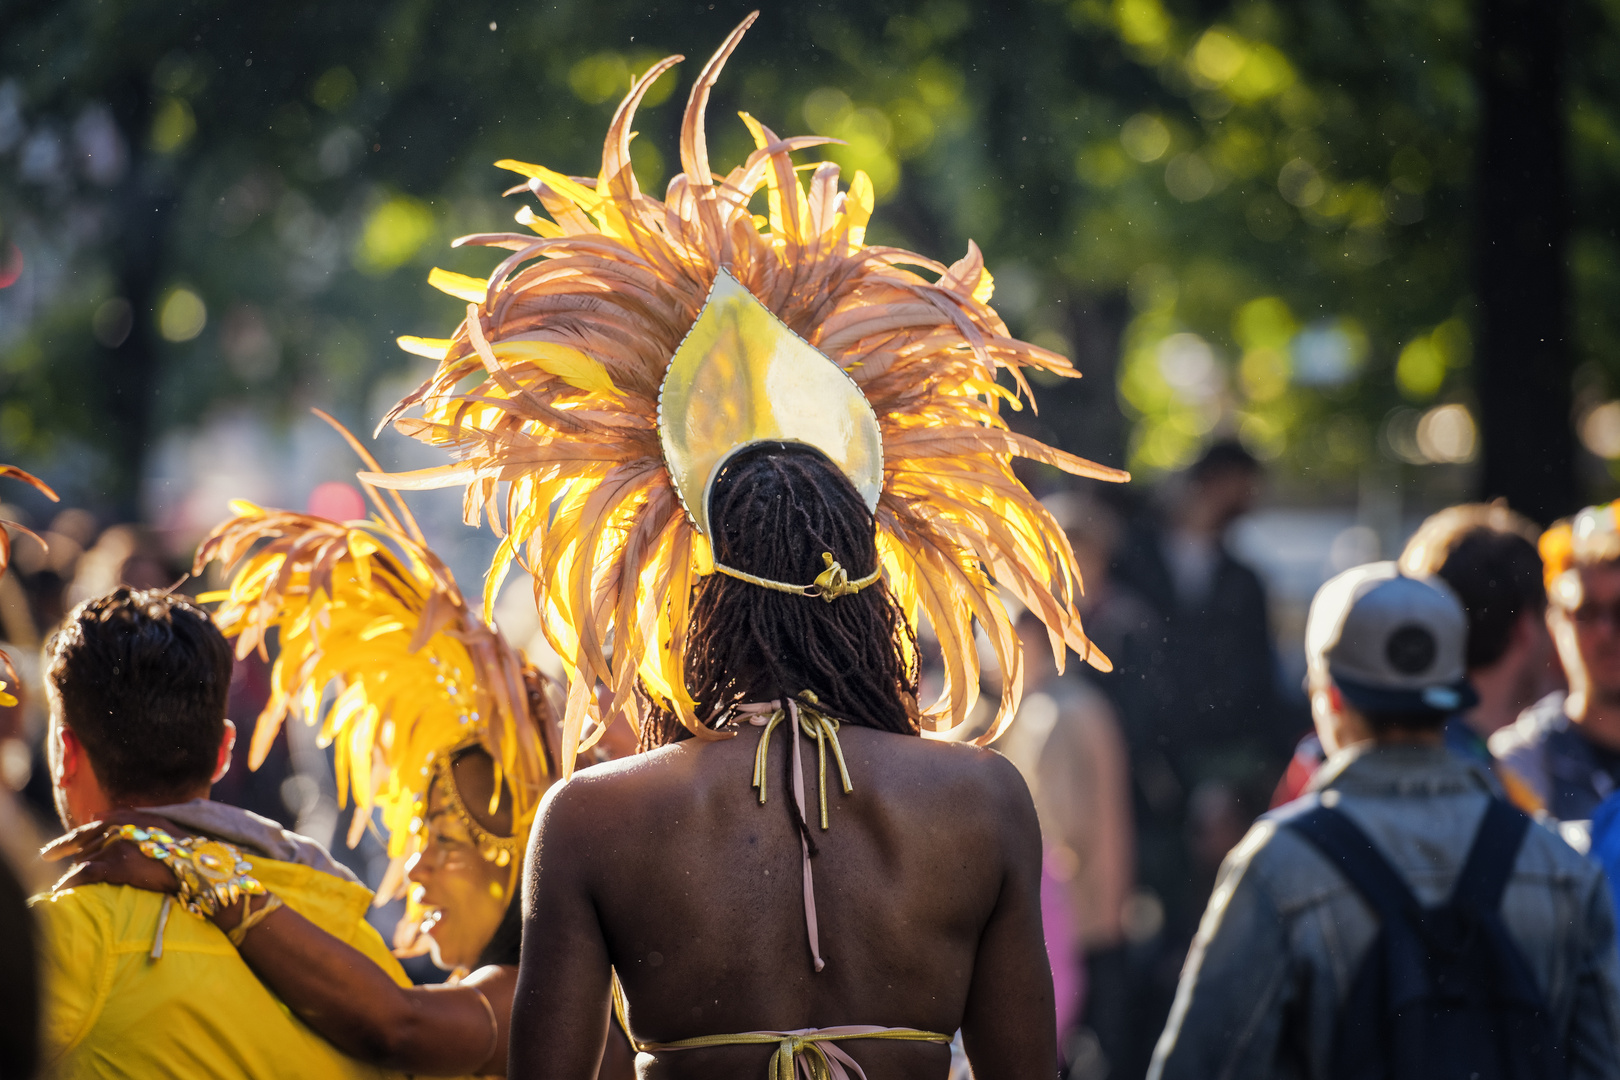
(1391, 643)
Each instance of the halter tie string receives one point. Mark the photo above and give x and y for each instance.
(824, 729)
(805, 1053)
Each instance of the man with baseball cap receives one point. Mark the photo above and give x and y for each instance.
(1396, 855)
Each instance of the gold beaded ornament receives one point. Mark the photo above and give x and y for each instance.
(212, 874)
(500, 850)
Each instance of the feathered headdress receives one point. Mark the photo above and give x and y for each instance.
(571, 338)
(420, 675)
(7, 699)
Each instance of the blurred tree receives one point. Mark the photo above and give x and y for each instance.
(1255, 216)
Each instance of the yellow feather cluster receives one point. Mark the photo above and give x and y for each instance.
(372, 611)
(570, 337)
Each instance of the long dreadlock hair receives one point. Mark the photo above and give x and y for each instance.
(774, 509)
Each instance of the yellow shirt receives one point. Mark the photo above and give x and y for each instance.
(198, 1011)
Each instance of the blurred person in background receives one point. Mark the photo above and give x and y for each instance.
(1208, 735)
(1400, 921)
(1082, 787)
(1067, 743)
(1566, 748)
(1487, 554)
(19, 980)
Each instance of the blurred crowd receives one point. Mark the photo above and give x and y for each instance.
(1149, 775)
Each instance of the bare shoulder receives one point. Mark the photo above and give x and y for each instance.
(619, 785)
(962, 762)
(957, 776)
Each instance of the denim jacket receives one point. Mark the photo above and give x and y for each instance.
(1284, 934)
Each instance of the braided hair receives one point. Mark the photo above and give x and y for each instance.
(774, 509)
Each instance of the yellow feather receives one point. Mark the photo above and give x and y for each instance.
(461, 286)
(528, 218)
(570, 365)
(396, 706)
(432, 348)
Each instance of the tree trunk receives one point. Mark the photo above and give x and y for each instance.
(1522, 363)
(128, 374)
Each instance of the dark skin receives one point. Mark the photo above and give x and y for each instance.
(666, 868)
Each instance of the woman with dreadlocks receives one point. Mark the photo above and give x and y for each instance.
(923, 916)
(743, 456)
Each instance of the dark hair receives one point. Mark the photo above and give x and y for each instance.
(1487, 554)
(1224, 455)
(142, 676)
(1497, 576)
(774, 509)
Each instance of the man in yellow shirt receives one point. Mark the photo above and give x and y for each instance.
(137, 986)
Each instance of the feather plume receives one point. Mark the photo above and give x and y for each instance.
(569, 339)
(367, 608)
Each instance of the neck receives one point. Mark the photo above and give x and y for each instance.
(1411, 737)
(1500, 699)
(111, 804)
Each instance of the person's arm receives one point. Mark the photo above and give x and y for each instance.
(1594, 1029)
(353, 1004)
(1009, 1026)
(340, 993)
(1227, 1018)
(560, 1012)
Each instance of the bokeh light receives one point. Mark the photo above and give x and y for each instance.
(181, 315)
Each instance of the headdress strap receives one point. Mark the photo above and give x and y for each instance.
(830, 584)
(492, 847)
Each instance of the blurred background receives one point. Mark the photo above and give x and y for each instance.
(1365, 249)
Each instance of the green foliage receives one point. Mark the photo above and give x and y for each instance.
(1279, 190)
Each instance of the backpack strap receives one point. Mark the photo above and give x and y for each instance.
(1352, 852)
(1490, 860)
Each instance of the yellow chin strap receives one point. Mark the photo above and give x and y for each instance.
(830, 584)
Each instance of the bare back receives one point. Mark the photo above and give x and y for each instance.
(668, 868)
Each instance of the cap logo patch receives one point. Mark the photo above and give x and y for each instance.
(1411, 649)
